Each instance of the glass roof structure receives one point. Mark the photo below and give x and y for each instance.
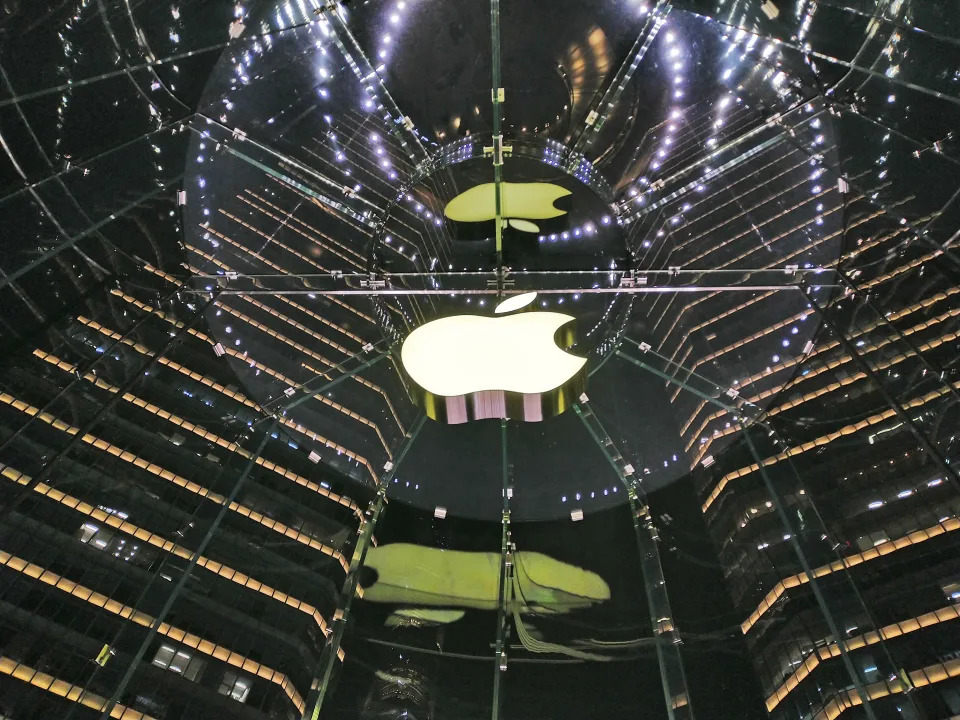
(223, 493)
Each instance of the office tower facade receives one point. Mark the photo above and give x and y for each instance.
(223, 491)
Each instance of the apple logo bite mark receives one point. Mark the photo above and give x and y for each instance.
(512, 365)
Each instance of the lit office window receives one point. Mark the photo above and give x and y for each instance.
(951, 588)
(235, 686)
(115, 544)
(178, 661)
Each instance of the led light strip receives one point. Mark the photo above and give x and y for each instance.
(819, 442)
(230, 351)
(196, 642)
(884, 548)
(73, 693)
(797, 253)
(252, 363)
(848, 380)
(352, 262)
(224, 571)
(935, 617)
(928, 675)
(791, 362)
(182, 482)
(904, 312)
(175, 420)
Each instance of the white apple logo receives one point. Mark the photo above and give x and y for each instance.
(473, 366)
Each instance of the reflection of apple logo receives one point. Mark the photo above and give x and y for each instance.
(522, 202)
(473, 367)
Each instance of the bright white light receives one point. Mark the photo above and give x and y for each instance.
(464, 354)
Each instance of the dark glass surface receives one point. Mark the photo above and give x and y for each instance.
(220, 220)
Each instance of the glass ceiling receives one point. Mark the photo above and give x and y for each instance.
(274, 177)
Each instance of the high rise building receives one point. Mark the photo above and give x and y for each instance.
(230, 487)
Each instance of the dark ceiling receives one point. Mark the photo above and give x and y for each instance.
(696, 135)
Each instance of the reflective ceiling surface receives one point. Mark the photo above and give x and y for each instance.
(702, 145)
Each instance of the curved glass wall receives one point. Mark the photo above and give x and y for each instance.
(226, 490)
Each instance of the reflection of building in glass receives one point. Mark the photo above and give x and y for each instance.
(850, 468)
(93, 547)
(398, 692)
(221, 220)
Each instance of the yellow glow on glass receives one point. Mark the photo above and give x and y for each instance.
(533, 201)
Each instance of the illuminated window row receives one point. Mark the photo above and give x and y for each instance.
(245, 358)
(182, 482)
(804, 249)
(366, 383)
(355, 262)
(180, 422)
(173, 365)
(242, 357)
(260, 259)
(757, 227)
(340, 499)
(68, 691)
(742, 306)
(287, 341)
(833, 364)
(361, 229)
(848, 380)
(832, 650)
(268, 238)
(820, 442)
(100, 600)
(293, 323)
(789, 362)
(711, 200)
(879, 550)
(703, 236)
(345, 219)
(310, 228)
(823, 347)
(795, 318)
(224, 571)
(867, 285)
(710, 321)
(274, 266)
(928, 675)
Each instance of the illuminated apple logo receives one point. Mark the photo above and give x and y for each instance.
(522, 202)
(470, 367)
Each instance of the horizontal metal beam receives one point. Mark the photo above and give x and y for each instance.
(514, 274)
(493, 292)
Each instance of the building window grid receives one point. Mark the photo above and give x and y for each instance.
(179, 661)
(235, 686)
